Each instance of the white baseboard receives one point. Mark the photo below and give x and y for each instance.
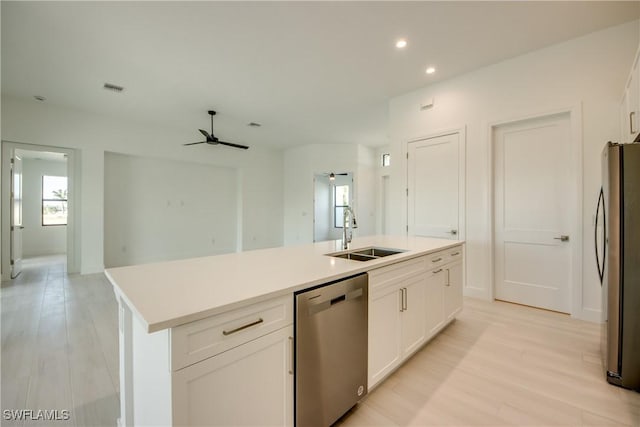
(588, 314)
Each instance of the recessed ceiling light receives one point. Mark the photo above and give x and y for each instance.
(430, 70)
(40, 98)
(401, 44)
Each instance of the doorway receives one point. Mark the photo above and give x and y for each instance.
(534, 208)
(333, 191)
(37, 208)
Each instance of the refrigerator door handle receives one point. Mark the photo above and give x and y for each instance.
(604, 236)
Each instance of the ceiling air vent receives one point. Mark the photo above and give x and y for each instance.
(112, 87)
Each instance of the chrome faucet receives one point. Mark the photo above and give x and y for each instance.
(346, 239)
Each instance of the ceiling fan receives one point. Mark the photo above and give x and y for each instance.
(212, 139)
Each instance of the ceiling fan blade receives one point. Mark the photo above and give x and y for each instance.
(244, 147)
(194, 143)
(205, 133)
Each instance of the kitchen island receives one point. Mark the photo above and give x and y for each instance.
(205, 337)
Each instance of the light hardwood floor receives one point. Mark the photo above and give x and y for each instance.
(60, 344)
(498, 365)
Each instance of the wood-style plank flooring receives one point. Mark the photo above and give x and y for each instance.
(499, 364)
(502, 364)
(60, 344)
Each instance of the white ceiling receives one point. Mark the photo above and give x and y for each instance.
(309, 72)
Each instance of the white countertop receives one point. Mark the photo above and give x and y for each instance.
(167, 294)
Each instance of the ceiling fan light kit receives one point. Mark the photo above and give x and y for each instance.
(211, 139)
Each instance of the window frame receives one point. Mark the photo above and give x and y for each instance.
(43, 200)
(336, 206)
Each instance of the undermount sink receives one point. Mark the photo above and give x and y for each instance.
(366, 254)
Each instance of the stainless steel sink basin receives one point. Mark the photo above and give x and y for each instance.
(366, 254)
(378, 252)
(354, 256)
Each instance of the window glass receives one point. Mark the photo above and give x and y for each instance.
(341, 199)
(54, 200)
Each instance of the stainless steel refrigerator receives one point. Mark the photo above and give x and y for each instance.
(617, 239)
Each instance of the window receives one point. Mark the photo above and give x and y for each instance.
(341, 200)
(54, 200)
(386, 159)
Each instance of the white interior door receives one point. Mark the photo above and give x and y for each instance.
(16, 216)
(533, 211)
(434, 187)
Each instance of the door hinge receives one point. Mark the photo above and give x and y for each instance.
(12, 262)
(407, 228)
(407, 154)
(407, 191)
(12, 161)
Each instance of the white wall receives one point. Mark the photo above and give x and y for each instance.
(300, 166)
(259, 170)
(38, 239)
(588, 72)
(157, 210)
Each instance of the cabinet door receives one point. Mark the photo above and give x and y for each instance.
(384, 332)
(248, 385)
(434, 300)
(414, 324)
(453, 290)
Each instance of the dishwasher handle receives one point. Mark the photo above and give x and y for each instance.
(316, 306)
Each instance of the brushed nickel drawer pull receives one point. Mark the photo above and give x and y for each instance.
(437, 271)
(455, 253)
(436, 260)
(248, 325)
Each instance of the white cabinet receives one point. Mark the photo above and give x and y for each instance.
(409, 302)
(414, 325)
(251, 384)
(434, 308)
(452, 290)
(630, 106)
(384, 333)
(397, 326)
(234, 368)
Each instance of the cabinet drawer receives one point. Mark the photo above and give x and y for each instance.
(204, 338)
(437, 259)
(453, 254)
(391, 274)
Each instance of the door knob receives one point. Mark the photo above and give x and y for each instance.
(562, 238)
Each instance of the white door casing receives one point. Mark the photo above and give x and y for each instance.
(16, 215)
(532, 211)
(435, 187)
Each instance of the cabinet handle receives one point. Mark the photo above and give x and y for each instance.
(437, 271)
(406, 307)
(631, 116)
(401, 299)
(436, 260)
(291, 355)
(248, 325)
(448, 277)
(455, 254)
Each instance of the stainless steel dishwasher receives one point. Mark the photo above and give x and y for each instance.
(330, 350)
